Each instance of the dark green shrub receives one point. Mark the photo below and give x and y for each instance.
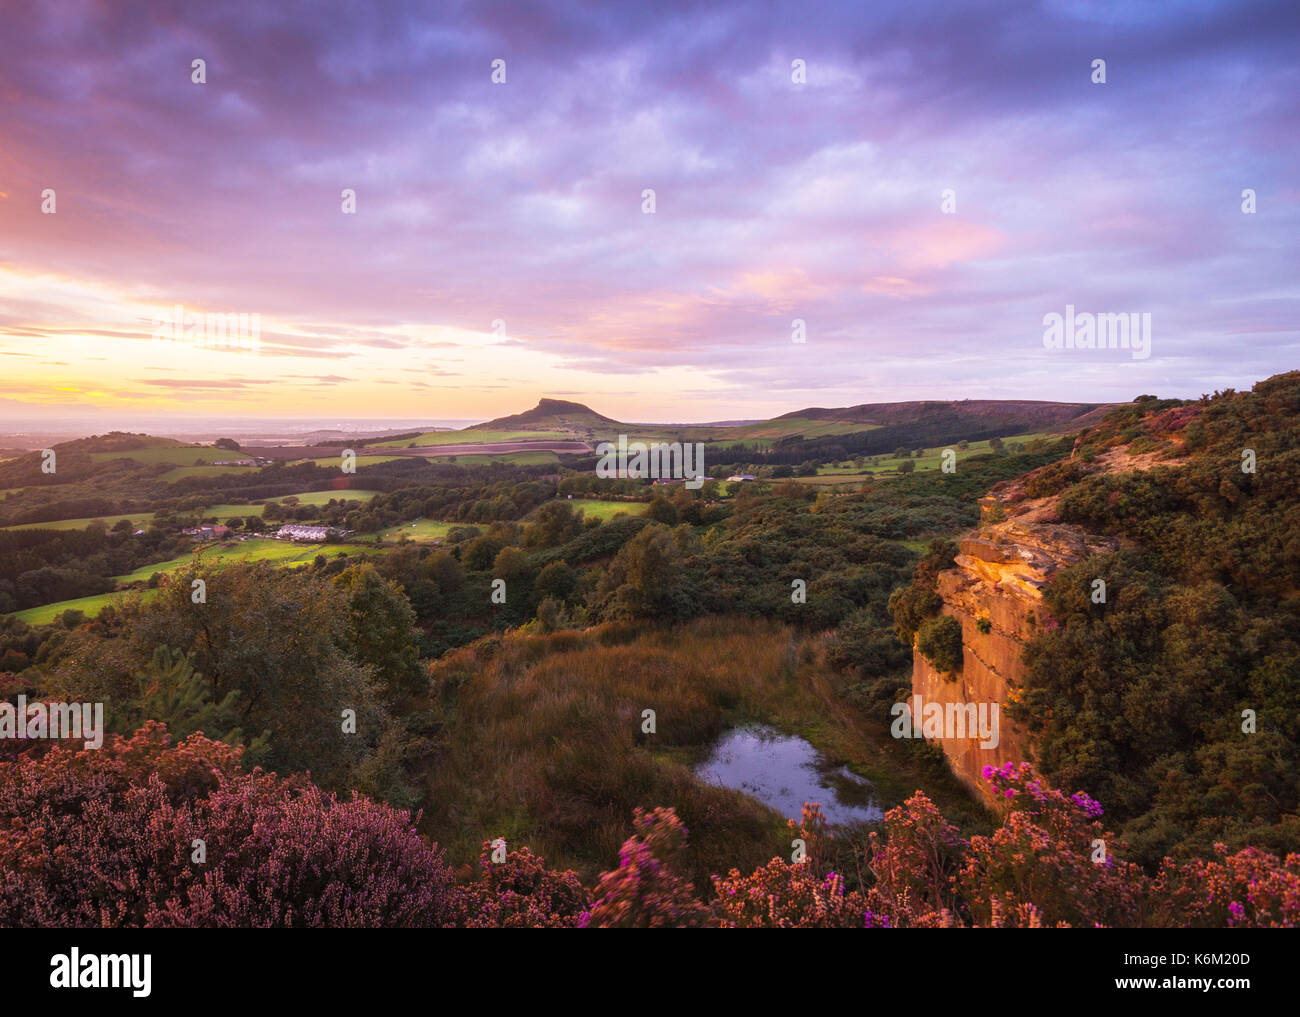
(939, 640)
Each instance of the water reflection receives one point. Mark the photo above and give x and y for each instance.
(783, 772)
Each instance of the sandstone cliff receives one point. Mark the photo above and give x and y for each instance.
(999, 575)
(998, 578)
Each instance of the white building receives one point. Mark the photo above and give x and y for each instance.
(291, 531)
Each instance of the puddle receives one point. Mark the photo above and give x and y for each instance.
(783, 772)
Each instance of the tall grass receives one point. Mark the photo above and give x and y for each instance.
(543, 741)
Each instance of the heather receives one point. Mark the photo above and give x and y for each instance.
(108, 838)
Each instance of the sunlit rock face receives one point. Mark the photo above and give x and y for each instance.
(999, 575)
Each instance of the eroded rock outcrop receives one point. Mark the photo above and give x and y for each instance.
(995, 589)
(995, 593)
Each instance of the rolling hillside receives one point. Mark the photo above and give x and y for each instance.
(1024, 414)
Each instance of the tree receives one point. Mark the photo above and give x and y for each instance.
(549, 615)
(481, 552)
(512, 563)
(173, 693)
(644, 579)
(555, 581)
(226, 443)
(381, 630)
(907, 466)
(554, 523)
(280, 637)
(661, 510)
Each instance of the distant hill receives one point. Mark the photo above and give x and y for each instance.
(550, 415)
(1016, 414)
(117, 441)
(821, 432)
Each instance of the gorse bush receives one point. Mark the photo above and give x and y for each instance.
(1142, 699)
(939, 641)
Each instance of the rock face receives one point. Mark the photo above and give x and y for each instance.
(999, 575)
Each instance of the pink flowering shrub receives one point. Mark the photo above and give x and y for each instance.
(1250, 889)
(520, 893)
(915, 864)
(786, 895)
(1051, 852)
(789, 894)
(646, 891)
(106, 838)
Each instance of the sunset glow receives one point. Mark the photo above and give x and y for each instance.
(521, 202)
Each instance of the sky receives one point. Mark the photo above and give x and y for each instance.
(920, 184)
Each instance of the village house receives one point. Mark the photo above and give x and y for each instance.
(291, 531)
(209, 532)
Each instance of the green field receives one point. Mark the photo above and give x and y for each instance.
(473, 436)
(536, 458)
(221, 512)
(282, 552)
(182, 472)
(422, 531)
(832, 479)
(930, 459)
(511, 458)
(89, 606)
(140, 519)
(604, 510)
(176, 455)
(334, 461)
(761, 435)
(317, 498)
(804, 426)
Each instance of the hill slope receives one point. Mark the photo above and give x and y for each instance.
(1021, 414)
(550, 415)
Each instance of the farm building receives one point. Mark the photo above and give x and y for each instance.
(294, 532)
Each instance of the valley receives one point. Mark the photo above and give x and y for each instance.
(503, 628)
